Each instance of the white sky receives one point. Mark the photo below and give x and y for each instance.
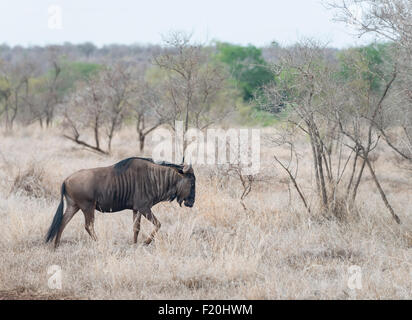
(258, 22)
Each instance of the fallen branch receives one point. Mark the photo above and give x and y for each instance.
(85, 144)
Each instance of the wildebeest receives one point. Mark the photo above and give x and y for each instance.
(134, 183)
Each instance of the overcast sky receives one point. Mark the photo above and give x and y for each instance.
(259, 22)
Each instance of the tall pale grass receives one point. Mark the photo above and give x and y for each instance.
(217, 250)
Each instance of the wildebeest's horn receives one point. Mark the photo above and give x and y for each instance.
(187, 168)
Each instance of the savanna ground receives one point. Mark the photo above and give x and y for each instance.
(217, 250)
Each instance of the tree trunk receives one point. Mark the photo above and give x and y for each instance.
(6, 109)
(140, 131)
(382, 193)
(315, 161)
(110, 135)
(48, 120)
(358, 180)
(352, 175)
(320, 170)
(96, 133)
(109, 143)
(142, 138)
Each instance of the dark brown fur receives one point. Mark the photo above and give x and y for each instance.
(134, 183)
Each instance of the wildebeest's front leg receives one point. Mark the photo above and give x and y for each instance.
(150, 216)
(136, 224)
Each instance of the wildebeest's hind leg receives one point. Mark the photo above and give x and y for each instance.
(136, 224)
(89, 221)
(150, 216)
(71, 210)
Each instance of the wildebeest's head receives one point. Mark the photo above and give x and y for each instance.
(186, 188)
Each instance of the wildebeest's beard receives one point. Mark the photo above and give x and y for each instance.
(179, 200)
(180, 197)
(190, 199)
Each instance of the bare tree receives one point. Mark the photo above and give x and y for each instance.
(14, 89)
(388, 20)
(84, 110)
(193, 83)
(148, 106)
(304, 78)
(118, 87)
(42, 94)
(333, 113)
(99, 104)
(50, 92)
(358, 115)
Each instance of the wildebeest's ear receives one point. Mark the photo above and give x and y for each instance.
(187, 168)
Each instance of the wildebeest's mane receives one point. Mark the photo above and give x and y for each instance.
(122, 166)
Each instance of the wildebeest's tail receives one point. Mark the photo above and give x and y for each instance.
(58, 217)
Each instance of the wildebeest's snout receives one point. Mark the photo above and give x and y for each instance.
(189, 204)
(187, 190)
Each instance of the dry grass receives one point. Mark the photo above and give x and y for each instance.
(216, 250)
(31, 182)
